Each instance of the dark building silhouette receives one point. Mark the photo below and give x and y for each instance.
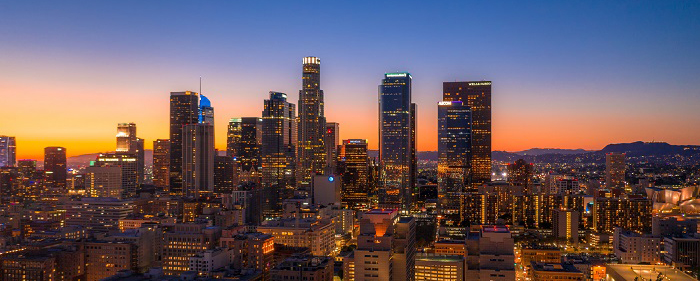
(55, 167)
(278, 152)
(476, 95)
(184, 110)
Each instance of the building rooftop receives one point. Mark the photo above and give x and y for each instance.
(495, 228)
(554, 267)
(630, 272)
(381, 211)
(440, 258)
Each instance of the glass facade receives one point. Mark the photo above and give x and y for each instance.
(244, 141)
(354, 170)
(278, 151)
(396, 142)
(476, 95)
(454, 150)
(184, 109)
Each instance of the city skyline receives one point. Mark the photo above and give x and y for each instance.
(609, 66)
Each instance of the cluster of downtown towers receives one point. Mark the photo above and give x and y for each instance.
(280, 153)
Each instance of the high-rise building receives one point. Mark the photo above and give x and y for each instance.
(476, 95)
(223, 174)
(632, 247)
(633, 214)
(244, 142)
(104, 182)
(278, 152)
(7, 151)
(128, 162)
(565, 224)
(55, 167)
(331, 142)
(490, 253)
(312, 124)
(184, 110)
(206, 111)
(454, 150)
(141, 160)
(354, 171)
(27, 167)
(615, 170)
(126, 137)
(161, 163)
(184, 240)
(520, 173)
(385, 248)
(198, 159)
(127, 142)
(396, 141)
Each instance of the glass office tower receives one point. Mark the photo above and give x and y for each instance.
(454, 150)
(184, 110)
(396, 142)
(476, 95)
(278, 151)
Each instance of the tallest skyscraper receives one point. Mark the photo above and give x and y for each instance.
(312, 124)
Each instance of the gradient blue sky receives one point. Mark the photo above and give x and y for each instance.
(569, 74)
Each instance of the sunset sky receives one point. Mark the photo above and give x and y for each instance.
(566, 74)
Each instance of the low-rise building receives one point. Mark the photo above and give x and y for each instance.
(632, 247)
(206, 262)
(303, 267)
(555, 272)
(440, 267)
(317, 235)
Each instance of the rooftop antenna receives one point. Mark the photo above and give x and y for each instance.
(200, 85)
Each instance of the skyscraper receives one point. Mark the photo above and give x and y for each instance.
(198, 152)
(223, 174)
(126, 137)
(243, 144)
(128, 162)
(104, 182)
(331, 142)
(354, 170)
(55, 167)
(184, 109)
(127, 142)
(161, 163)
(615, 170)
(278, 151)
(206, 111)
(312, 124)
(476, 95)
(396, 141)
(454, 150)
(7, 151)
(198, 159)
(520, 173)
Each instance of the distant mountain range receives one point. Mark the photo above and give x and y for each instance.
(542, 151)
(645, 151)
(653, 152)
